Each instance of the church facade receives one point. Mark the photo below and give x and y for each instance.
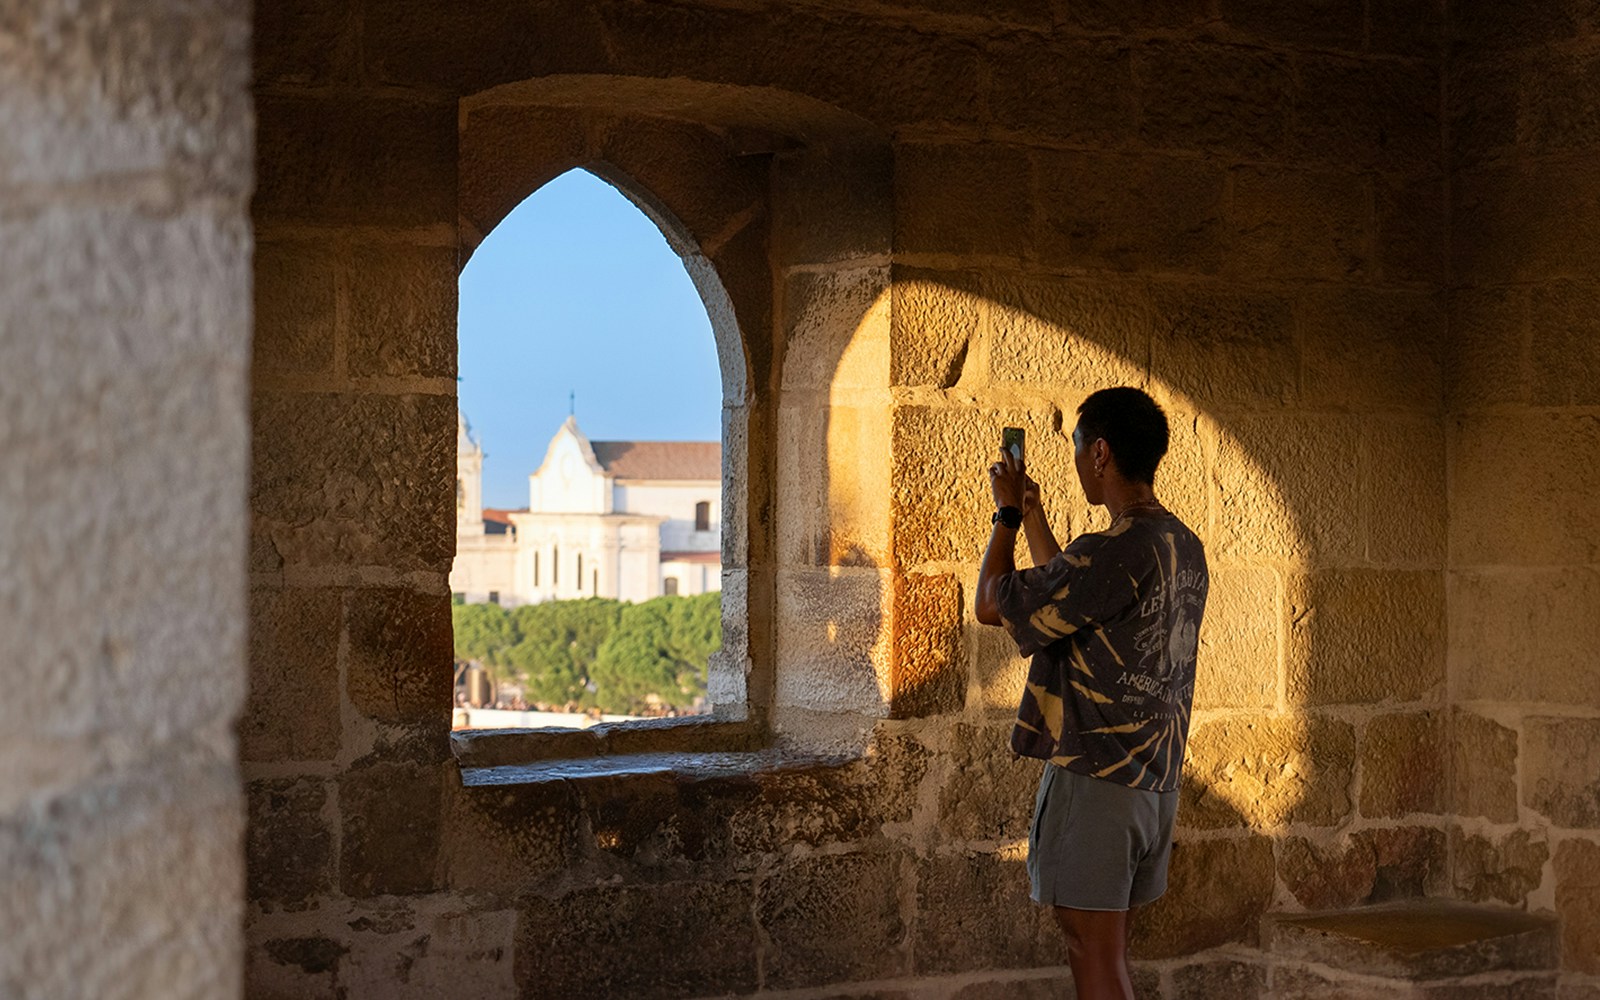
(623, 519)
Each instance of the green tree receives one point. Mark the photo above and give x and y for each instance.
(660, 648)
(558, 645)
(482, 632)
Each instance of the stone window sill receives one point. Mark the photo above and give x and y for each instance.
(683, 766)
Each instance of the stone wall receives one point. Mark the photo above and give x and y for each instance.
(124, 323)
(1524, 447)
(914, 223)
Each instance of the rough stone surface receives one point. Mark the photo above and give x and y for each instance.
(1365, 636)
(1483, 769)
(989, 792)
(1556, 455)
(1219, 344)
(929, 669)
(289, 851)
(1238, 662)
(1525, 634)
(1369, 866)
(390, 834)
(976, 914)
(1403, 765)
(399, 661)
(1578, 901)
(833, 919)
(293, 711)
(1266, 771)
(1503, 869)
(1561, 770)
(1274, 501)
(1216, 892)
(1231, 979)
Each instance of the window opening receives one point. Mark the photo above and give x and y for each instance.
(625, 394)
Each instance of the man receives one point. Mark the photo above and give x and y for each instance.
(1111, 623)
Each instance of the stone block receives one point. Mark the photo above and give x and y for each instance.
(292, 966)
(1534, 462)
(1564, 342)
(402, 311)
(295, 289)
(1411, 227)
(1560, 94)
(1070, 334)
(1525, 635)
(1369, 866)
(988, 794)
(1132, 18)
(507, 153)
(1415, 28)
(1481, 108)
(342, 160)
(391, 828)
(1220, 978)
(831, 204)
(1403, 493)
(1365, 636)
(1287, 489)
(975, 913)
(1217, 891)
(1368, 348)
(1183, 481)
(289, 857)
(1334, 24)
(1238, 662)
(675, 939)
(1577, 872)
(1246, 105)
(837, 329)
(833, 919)
(1484, 771)
(444, 948)
(1526, 222)
(1001, 672)
(1561, 770)
(1300, 224)
(833, 639)
(305, 42)
(1403, 765)
(1488, 361)
(505, 838)
(294, 705)
(355, 480)
(1044, 988)
(961, 199)
(1480, 25)
(928, 669)
(400, 664)
(1080, 92)
(1380, 115)
(1265, 771)
(1504, 869)
(934, 319)
(1129, 212)
(815, 806)
(1224, 348)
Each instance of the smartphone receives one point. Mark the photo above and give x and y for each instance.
(1011, 440)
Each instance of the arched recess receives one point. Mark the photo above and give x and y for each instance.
(750, 186)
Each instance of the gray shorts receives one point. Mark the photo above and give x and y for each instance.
(1098, 845)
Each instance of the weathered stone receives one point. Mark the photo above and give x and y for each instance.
(1405, 522)
(1274, 499)
(1488, 360)
(304, 42)
(1001, 671)
(829, 206)
(1224, 346)
(1411, 226)
(837, 329)
(1529, 461)
(1561, 770)
(1293, 224)
(293, 711)
(295, 290)
(1370, 866)
(1525, 634)
(1482, 106)
(1504, 869)
(1526, 221)
(289, 846)
(832, 919)
(812, 806)
(1403, 765)
(344, 480)
(439, 949)
(1247, 105)
(1237, 666)
(513, 151)
(502, 839)
(1577, 872)
(1564, 345)
(831, 638)
(1071, 334)
(1369, 113)
(1335, 24)
(1364, 349)
(402, 310)
(1032, 988)
(390, 837)
(1484, 771)
(960, 199)
(1216, 892)
(1128, 212)
(1073, 91)
(929, 667)
(400, 659)
(1560, 94)
(1365, 636)
(989, 793)
(934, 319)
(1266, 771)
(677, 939)
(974, 912)
(1217, 979)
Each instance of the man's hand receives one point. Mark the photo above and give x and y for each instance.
(1030, 495)
(1008, 481)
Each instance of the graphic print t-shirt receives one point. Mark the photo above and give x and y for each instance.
(1112, 624)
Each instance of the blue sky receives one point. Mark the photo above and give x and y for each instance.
(577, 291)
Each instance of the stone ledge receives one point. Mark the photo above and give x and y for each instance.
(679, 765)
(1416, 940)
(475, 749)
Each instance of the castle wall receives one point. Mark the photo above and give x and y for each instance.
(125, 170)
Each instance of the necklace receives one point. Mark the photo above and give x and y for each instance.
(1150, 505)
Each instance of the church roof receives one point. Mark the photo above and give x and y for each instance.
(687, 460)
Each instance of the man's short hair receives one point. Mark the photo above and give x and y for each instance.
(1132, 424)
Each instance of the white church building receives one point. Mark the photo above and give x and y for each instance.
(624, 519)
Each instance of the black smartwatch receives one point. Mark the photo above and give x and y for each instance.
(1011, 517)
